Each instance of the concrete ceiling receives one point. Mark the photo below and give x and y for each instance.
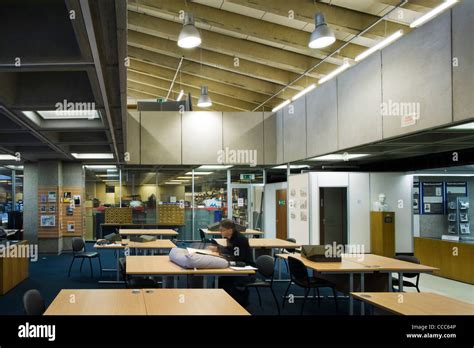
(62, 51)
(271, 47)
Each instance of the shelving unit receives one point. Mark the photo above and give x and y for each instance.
(458, 216)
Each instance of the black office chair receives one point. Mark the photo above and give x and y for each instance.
(3, 233)
(33, 302)
(135, 283)
(299, 276)
(79, 252)
(396, 282)
(266, 268)
(289, 251)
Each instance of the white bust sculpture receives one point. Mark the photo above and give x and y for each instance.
(381, 205)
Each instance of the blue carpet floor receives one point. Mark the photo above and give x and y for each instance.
(49, 276)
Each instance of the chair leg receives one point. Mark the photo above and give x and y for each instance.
(335, 298)
(100, 266)
(82, 262)
(286, 293)
(259, 298)
(70, 266)
(90, 264)
(319, 299)
(306, 291)
(276, 300)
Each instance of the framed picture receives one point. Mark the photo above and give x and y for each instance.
(77, 200)
(67, 197)
(70, 226)
(48, 220)
(44, 198)
(69, 211)
(43, 209)
(52, 197)
(52, 208)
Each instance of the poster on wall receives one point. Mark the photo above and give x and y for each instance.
(52, 197)
(44, 198)
(48, 220)
(433, 198)
(43, 209)
(69, 211)
(70, 226)
(416, 198)
(67, 197)
(454, 189)
(52, 209)
(77, 200)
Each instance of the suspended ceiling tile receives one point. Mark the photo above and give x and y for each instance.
(287, 22)
(243, 10)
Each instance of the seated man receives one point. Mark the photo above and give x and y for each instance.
(238, 252)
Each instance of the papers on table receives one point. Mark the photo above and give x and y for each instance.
(201, 251)
(246, 268)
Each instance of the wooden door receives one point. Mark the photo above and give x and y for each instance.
(281, 214)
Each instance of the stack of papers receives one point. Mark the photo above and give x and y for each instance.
(245, 268)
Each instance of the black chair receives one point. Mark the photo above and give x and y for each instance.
(202, 235)
(79, 252)
(289, 251)
(33, 302)
(396, 282)
(299, 276)
(141, 283)
(266, 268)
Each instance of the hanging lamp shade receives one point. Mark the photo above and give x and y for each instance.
(189, 36)
(204, 100)
(322, 36)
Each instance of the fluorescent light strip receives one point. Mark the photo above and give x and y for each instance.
(281, 106)
(7, 158)
(304, 91)
(199, 173)
(433, 13)
(181, 94)
(387, 41)
(335, 72)
(212, 167)
(99, 166)
(292, 166)
(339, 157)
(93, 155)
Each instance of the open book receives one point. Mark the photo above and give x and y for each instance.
(202, 251)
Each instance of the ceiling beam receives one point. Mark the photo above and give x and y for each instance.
(185, 80)
(151, 84)
(339, 18)
(209, 72)
(214, 59)
(281, 36)
(414, 5)
(229, 45)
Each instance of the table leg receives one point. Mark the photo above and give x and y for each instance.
(175, 282)
(389, 281)
(216, 282)
(362, 289)
(351, 289)
(117, 258)
(204, 282)
(280, 260)
(400, 281)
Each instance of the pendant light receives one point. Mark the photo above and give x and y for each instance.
(204, 101)
(322, 36)
(189, 36)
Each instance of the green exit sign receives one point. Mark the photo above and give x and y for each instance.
(247, 177)
(281, 202)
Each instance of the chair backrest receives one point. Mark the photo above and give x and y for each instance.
(33, 302)
(266, 266)
(292, 240)
(77, 244)
(411, 259)
(202, 234)
(298, 272)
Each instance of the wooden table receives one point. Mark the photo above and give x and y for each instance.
(247, 232)
(414, 303)
(148, 232)
(265, 243)
(98, 302)
(362, 264)
(191, 302)
(163, 266)
(145, 302)
(389, 265)
(345, 266)
(158, 244)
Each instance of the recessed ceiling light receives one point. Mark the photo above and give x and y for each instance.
(15, 167)
(107, 175)
(339, 157)
(93, 155)
(8, 157)
(199, 173)
(213, 167)
(466, 126)
(110, 168)
(292, 166)
(172, 183)
(69, 114)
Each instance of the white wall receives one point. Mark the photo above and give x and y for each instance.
(269, 208)
(397, 187)
(362, 190)
(298, 229)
